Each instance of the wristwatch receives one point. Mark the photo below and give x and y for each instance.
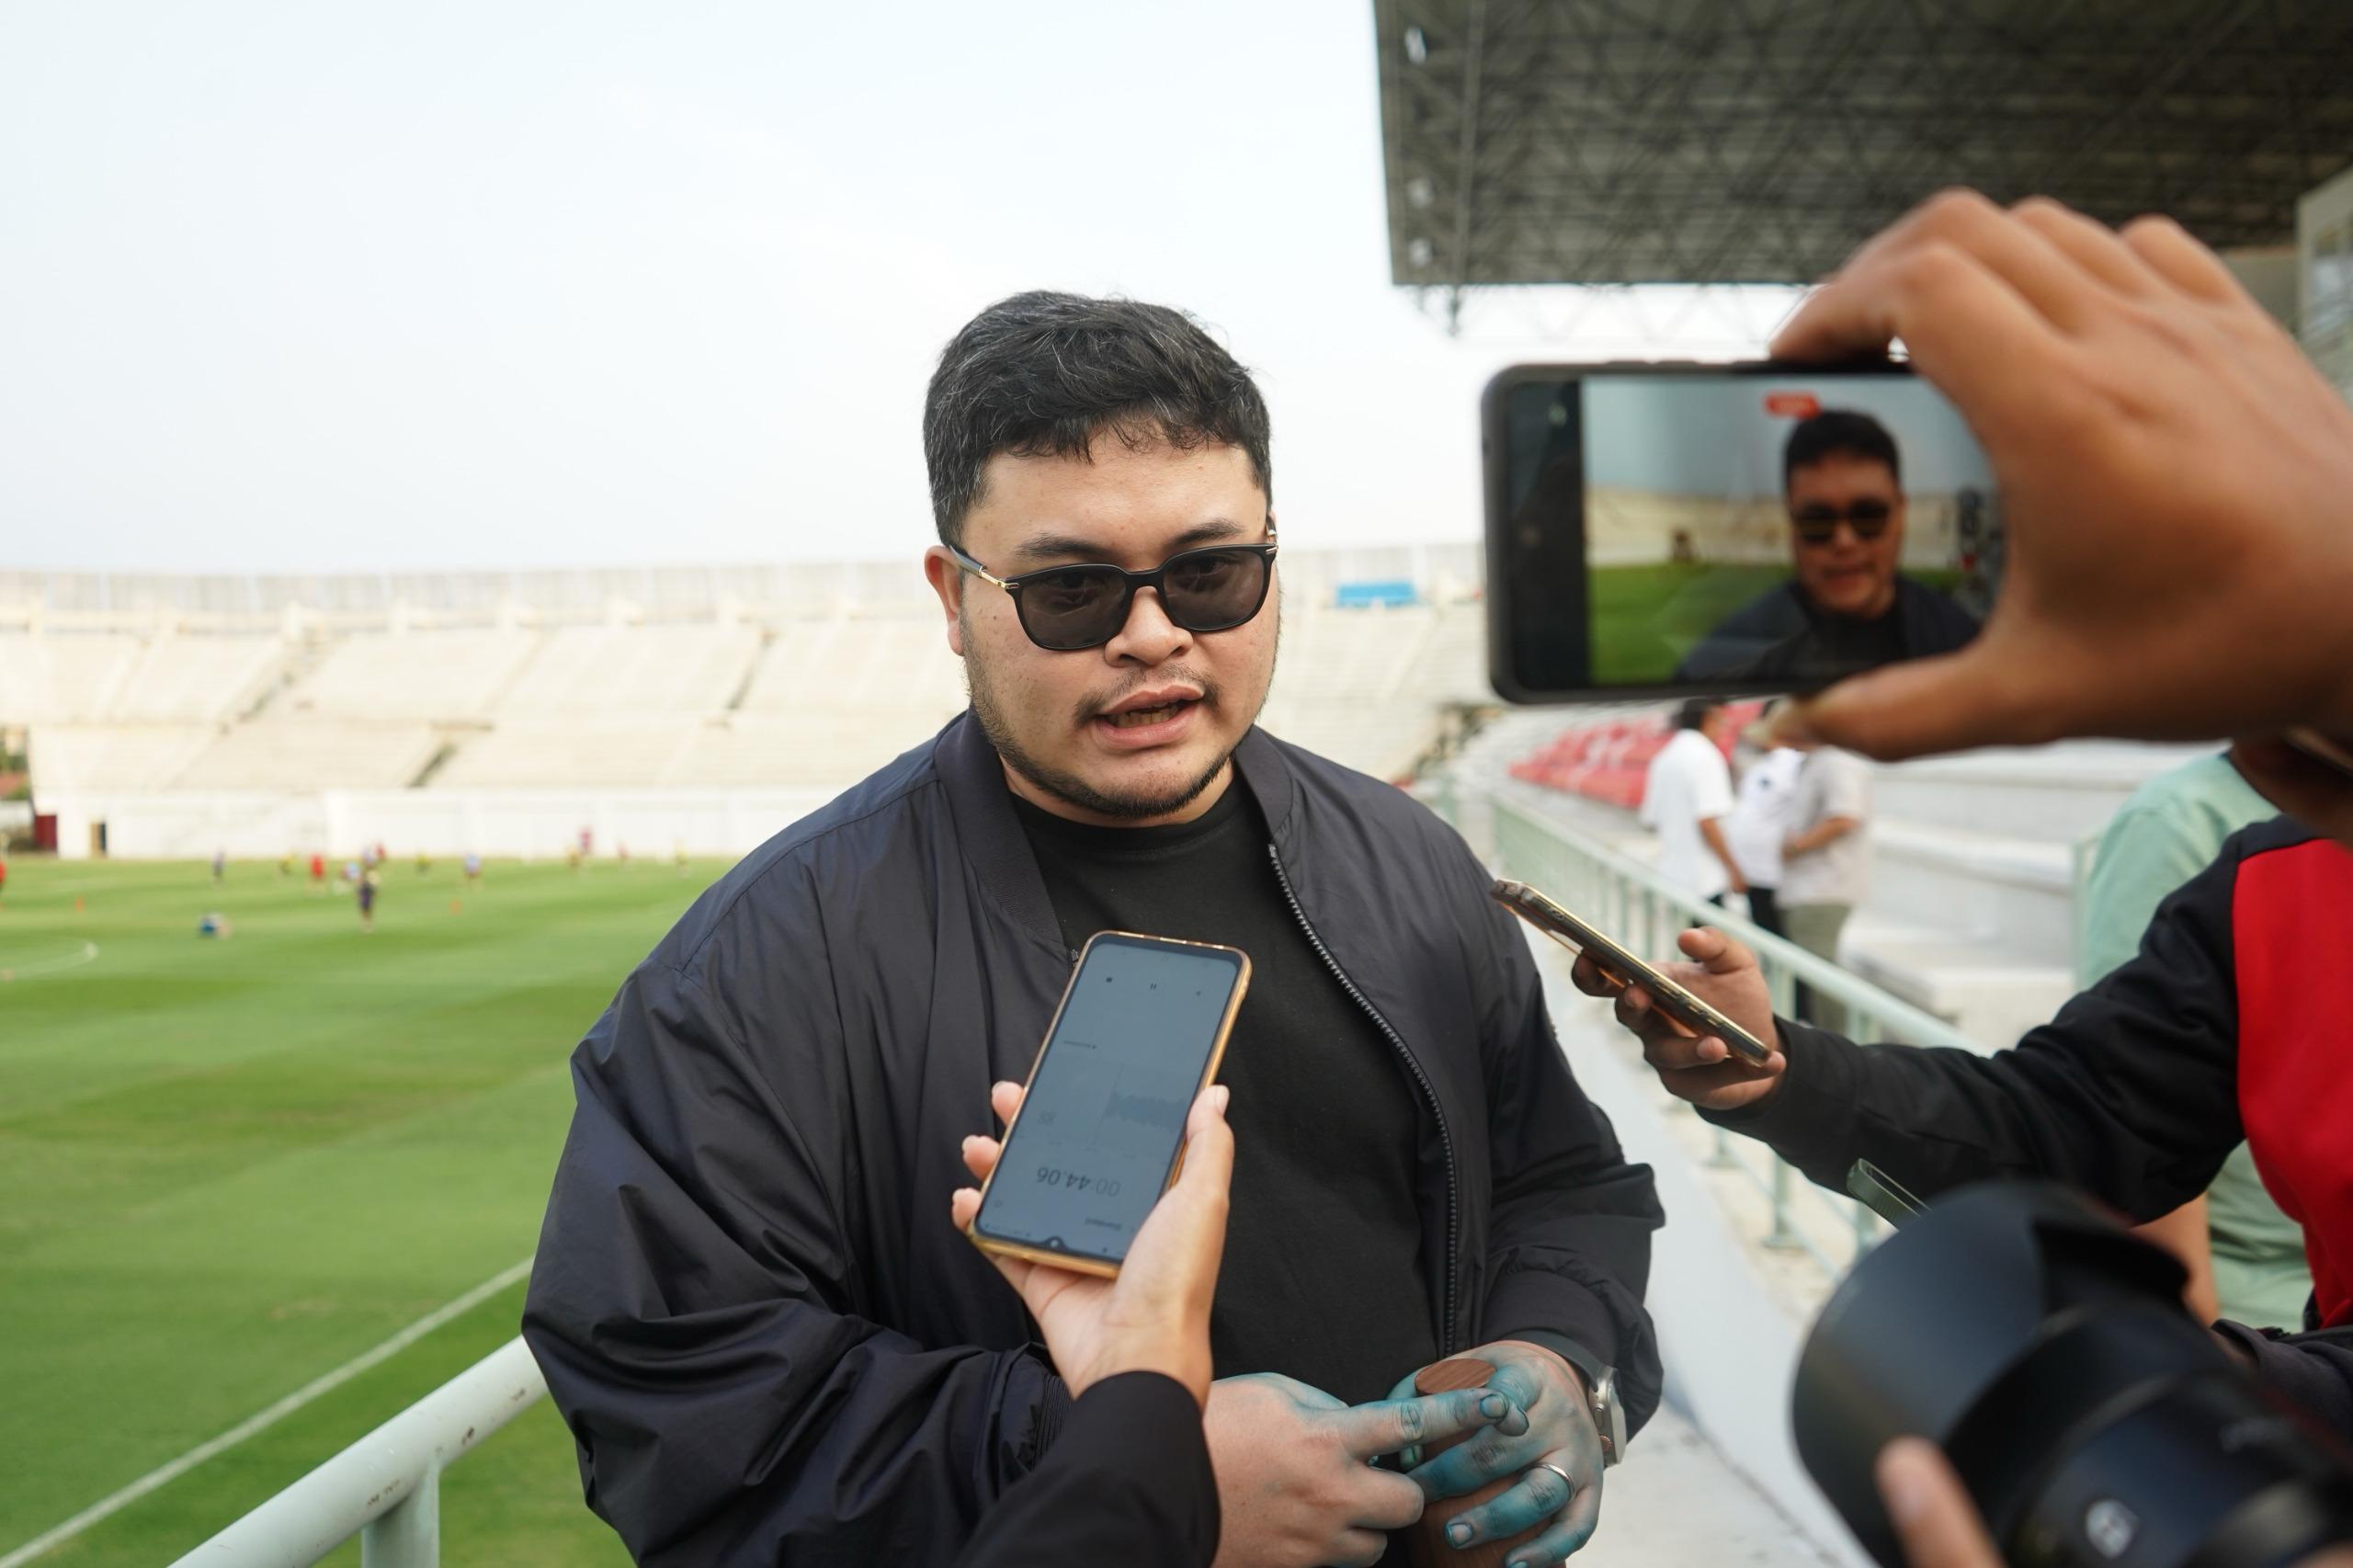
(1608, 1416)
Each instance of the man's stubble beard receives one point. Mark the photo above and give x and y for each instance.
(989, 708)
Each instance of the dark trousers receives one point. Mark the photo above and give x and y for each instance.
(1764, 911)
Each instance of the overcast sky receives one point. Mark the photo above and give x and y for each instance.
(294, 286)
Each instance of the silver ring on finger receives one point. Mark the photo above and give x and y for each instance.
(1566, 1479)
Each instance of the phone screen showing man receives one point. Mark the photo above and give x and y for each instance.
(1747, 528)
(1100, 1128)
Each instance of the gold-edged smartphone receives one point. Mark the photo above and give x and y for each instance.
(1623, 968)
(1100, 1134)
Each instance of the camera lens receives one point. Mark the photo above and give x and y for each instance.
(2047, 1352)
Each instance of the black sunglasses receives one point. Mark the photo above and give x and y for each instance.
(1066, 608)
(1818, 524)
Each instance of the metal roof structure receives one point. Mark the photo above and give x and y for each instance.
(1531, 142)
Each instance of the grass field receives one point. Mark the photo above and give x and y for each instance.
(1645, 619)
(231, 1166)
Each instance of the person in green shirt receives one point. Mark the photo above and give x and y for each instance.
(2246, 1259)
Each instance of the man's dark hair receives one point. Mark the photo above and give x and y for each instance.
(1043, 374)
(1837, 430)
(1695, 713)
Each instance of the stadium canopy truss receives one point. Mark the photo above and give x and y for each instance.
(1712, 141)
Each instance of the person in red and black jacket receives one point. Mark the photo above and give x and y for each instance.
(2229, 1025)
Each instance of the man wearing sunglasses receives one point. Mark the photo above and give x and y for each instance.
(1846, 607)
(768, 1341)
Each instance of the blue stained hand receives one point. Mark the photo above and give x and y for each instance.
(1549, 1424)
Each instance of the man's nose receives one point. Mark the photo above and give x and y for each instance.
(1149, 637)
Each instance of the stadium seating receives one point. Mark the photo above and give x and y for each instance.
(580, 753)
(453, 675)
(104, 758)
(852, 663)
(668, 669)
(64, 678)
(815, 749)
(312, 754)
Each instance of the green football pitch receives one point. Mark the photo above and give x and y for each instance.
(1645, 619)
(232, 1167)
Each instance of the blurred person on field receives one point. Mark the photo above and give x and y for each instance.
(1847, 605)
(1760, 821)
(2245, 1259)
(1686, 800)
(768, 1341)
(1825, 863)
(369, 883)
(2150, 421)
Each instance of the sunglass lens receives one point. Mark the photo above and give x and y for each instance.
(1869, 518)
(1078, 609)
(1210, 590)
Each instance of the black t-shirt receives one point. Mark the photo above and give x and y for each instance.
(1324, 1278)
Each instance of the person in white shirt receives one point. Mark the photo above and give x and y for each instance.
(1686, 796)
(1760, 820)
(1825, 863)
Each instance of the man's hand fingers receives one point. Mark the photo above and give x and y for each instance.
(962, 1205)
(1588, 977)
(1535, 1498)
(1970, 329)
(1357, 1548)
(1714, 952)
(1177, 1250)
(1393, 1425)
(1951, 702)
(1569, 1531)
(1383, 1501)
(2181, 261)
(1471, 1464)
(980, 1156)
(1005, 1098)
(1932, 1513)
(1705, 1086)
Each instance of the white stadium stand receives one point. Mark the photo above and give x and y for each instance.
(633, 669)
(450, 675)
(296, 755)
(578, 752)
(82, 759)
(61, 677)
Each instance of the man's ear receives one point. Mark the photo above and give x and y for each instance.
(947, 580)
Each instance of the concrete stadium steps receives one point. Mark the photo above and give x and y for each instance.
(85, 758)
(585, 751)
(818, 750)
(312, 754)
(1986, 992)
(668, 669)
(2014, 896)
(61, 677)
(852, 662)
(455, 675)
(1381, 741)
(187, 679)
(2059, 794)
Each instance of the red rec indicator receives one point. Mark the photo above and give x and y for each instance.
(1792, 404)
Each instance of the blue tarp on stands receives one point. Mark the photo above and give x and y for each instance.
(1387, 591)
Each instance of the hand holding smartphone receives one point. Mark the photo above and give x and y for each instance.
(1623, 969)
(1100, 1130)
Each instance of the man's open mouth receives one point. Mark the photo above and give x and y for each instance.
(1136, 718)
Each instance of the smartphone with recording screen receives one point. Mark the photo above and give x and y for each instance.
(1682, 529)
(1100, 1134)
(1623, 968)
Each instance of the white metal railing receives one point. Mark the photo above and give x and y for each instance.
(385, 1488)
(1644, 911)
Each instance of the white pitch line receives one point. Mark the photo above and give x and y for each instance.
(276, 1413)
(50, 966)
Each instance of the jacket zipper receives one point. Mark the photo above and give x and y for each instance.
(1429, 1091)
